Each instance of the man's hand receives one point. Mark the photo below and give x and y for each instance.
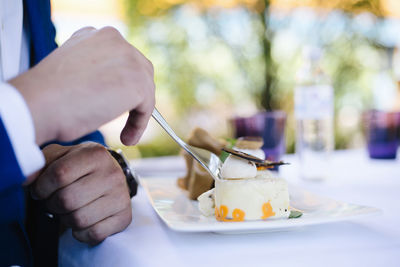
(91, 79)
(87, 188)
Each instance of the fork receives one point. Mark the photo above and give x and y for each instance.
(209, 161)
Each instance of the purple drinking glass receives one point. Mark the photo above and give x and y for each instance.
(382, 133)
(268, 125)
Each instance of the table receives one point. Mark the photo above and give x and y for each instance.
(371, 241)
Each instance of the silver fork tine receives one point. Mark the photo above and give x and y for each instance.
(160, 119)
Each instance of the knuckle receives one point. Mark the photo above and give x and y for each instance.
(152, 87)
(99, 148)
(151, 66)
(85, 29)
(78, 220)
(150, 84)
(60, 172)
(98, 151)
(89, 145)
(95, 234)
(78, 236)
(152, 102)
(63, 201)
(128, 218)
(125, 219)
(149, 100)
(89, 28)
(82, 31)
(110, 32)
(93, 145)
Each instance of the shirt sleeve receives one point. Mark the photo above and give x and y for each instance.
(19, 126)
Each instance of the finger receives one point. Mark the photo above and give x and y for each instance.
(101, 230)
(53, 152)
(83, 31)
(79, 194)
(67, 169)
(79, 35)
(96, 211)
(135, 125)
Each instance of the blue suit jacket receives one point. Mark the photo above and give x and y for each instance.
(15, 247)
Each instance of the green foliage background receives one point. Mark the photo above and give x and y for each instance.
(202, 70)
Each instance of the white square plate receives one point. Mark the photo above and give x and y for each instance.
(181, 214)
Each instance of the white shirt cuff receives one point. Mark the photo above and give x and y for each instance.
(18, 122)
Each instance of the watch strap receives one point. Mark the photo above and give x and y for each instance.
(131, 177)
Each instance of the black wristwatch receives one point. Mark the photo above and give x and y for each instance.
(131, 177)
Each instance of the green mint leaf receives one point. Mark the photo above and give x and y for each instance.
(231, 144)
(295, 214)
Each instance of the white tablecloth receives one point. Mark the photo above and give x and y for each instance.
(371, 241)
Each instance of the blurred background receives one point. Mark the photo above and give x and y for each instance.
(217, 59)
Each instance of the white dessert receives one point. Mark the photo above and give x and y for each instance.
(237, 168)
(251, 199)
(207, 203)
(244, 193)
(265, 174)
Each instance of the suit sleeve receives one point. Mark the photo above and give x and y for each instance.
(10, 172)
(12, 204)
(95, 136)
(19, 154)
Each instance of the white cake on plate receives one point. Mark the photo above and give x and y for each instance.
(244, 193)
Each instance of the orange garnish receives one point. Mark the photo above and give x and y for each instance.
(217, 215)
(221, 214)
(238, 215)
(267, 211)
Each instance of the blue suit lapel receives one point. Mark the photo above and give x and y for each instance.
(42, 31)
